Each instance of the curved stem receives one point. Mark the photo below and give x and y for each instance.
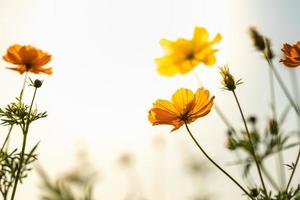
(251, 144)
(25, 132)
(220, 168)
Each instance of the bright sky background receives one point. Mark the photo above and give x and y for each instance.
(105, 81)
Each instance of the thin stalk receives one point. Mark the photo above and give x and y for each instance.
(296, 108)
(219, 167)
(251, 143)
(23, 87)
(272, 95)
(25, 132)
(283, 87)
(280, 161)
(6, 139)
(11, 127)
(20, 166)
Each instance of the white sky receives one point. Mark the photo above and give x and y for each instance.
(104, 79)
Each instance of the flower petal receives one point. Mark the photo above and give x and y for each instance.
(200, 37)
(182, 100)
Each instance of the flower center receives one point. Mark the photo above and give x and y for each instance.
(184, 117)
(28, 66)
(190, 56)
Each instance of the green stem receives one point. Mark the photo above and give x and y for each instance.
(25, 132)
(220, 168)
(251, 144)
(20, 98)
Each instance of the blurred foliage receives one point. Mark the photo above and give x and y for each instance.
(74, 184)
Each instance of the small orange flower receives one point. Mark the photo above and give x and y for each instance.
(291, 55)
(28, 59)
(185, 107)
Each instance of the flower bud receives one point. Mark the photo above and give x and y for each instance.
(258, 39)
(37, 83)
(254, 192)
(273, 127)
(227, 79)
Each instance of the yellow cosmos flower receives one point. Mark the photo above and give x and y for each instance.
(184, 55)
(28, 59)
(185, 107)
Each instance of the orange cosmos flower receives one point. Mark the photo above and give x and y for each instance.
(183, 55)
(291, 55)
(185, 107)
(28, 59)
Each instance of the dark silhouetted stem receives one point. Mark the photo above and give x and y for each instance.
(284, 89)
(220, 168)
(25, 132)
(251, 144)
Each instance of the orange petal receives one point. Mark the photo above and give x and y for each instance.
(165, 105)
(159, 116)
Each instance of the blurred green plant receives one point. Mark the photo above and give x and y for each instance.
(74, 184)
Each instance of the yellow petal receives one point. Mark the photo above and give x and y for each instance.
(210, 59)
(201, 99)
(166, 67)
(183, 100)
(202, 104)
(165, 105)
(200, 37)
(217, 39)
(167, 45)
